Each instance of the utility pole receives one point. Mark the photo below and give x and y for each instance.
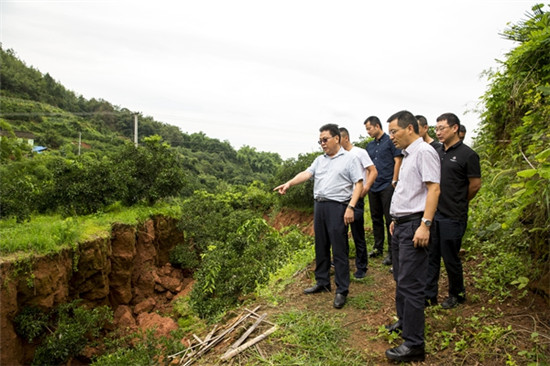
(136, 129)
(79, 142)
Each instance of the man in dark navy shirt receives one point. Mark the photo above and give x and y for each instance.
(460, 182)
(387, 160)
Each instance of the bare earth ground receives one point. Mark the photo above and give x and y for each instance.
(371, 305)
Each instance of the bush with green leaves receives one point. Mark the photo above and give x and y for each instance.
(209, 218)
(143, 348)
(31, 323)
(150, 172)
(89, 183)
(184, 256)
(237, 266)
(63, 333)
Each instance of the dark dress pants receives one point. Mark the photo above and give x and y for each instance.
(446, 244)
(379, 204)
(358, 233)
(330, 230)
(410, 266)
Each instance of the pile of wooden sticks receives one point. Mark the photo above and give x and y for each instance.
(197, 350)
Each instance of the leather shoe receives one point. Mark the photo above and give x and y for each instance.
(387, 261)
(452, 301)
(360, 274)
(374, 253)
(316, 289)
(339, 301)
(395, 327)
(406, 354)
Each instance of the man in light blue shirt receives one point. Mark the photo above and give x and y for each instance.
(338, 183)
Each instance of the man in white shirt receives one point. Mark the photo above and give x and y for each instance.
(358, 225)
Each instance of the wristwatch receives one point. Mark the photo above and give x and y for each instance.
(352, 207)
(427, 222)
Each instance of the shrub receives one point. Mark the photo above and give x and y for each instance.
(184, 256)
(238, 265)
(63, 333)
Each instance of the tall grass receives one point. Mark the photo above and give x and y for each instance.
(45, 234)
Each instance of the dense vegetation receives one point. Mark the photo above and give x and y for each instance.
(511, 212)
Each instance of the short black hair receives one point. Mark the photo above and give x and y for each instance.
(344, 131)
(332, 128)
(462, 128)
(422, 121)
(373, 120)
(451, 119)
(405, 118)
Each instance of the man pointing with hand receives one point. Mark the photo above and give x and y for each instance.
(338, 182)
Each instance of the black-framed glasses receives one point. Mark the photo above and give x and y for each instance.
(324, 140)
(393, 132)
(441, 128)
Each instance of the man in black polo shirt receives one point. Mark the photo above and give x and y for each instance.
(460, 182)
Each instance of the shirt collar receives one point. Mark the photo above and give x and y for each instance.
(412, 147)
(340, 152)
(459, 142)
(382, 137)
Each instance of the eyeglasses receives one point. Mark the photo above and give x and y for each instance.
(324, 140)
(393, 132)
(440, 128)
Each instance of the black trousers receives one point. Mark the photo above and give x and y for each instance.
(410, 267)
(330, 230)
(358, 233)
(379, 203)
(446, 243)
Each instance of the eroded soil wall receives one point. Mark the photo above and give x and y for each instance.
(128, 271)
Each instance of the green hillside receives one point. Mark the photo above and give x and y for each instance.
(35, 103)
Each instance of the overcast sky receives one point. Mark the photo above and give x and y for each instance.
(268, 74)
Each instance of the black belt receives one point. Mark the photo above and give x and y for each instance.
(324, 199)
(407, 218)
